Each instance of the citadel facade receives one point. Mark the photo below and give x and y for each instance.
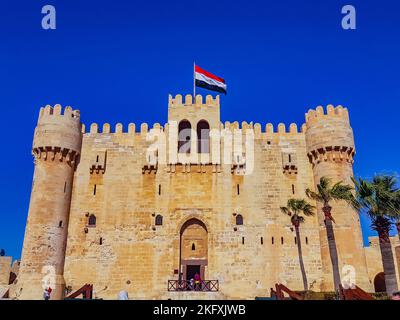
(133, 209)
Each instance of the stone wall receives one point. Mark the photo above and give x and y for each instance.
(5, 270)
(374, 257)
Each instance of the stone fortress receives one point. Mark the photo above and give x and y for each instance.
(119, 211)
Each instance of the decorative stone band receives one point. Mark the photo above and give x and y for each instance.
(71, 157)
(332, 153)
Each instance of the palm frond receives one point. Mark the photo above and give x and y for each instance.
(295, 207)
(380, 198)
(286, 210)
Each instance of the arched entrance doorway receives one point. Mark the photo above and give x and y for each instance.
(193, 248)
(379, 282)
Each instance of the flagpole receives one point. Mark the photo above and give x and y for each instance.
(194, 81)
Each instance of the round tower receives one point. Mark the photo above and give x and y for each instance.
(56, 149)
(330, 149)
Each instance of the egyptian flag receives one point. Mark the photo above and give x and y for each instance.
(207, 80)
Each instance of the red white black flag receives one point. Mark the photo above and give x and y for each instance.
(207, 80)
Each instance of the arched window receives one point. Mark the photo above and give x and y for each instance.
(239, 220)
(159, 220)
(184, 136)
(193, 247)
(203, 137)
(92, 220)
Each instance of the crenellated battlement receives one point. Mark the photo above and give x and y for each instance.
(178, 101)
(258, 128)
(57, 110)
(106, 128)
(319, 114)
(268, 129)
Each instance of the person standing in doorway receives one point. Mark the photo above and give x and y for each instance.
(197, 281)
(47, 293)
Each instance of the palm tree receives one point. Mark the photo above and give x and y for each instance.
(325, 193)
(294, 209)
(397, 204)
(379, 200)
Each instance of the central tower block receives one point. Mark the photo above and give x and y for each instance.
(56, 150)
(191, 123)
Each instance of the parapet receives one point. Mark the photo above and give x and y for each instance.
(269, 129)
(57, 110)
(334, 113)
(119, 128)
(189, 101)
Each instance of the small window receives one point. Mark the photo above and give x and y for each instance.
(92, 220)
(268, 142)
(159, 189)
(272, 240)
(60, 224)
(295, 240)
(101, 241)
(97, 158)
(306, 240)
(242, 240)
(159, 219)
(94, 189)
(239, 220)
(281, 240)
(290, 158)
(238, 189)
(262, 240)
(293, 188)
(193, 247)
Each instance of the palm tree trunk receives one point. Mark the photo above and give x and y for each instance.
(332, 246)
(388, 262)
(398, 228)
(299, 249)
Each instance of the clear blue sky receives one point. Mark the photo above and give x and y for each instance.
(117, 61)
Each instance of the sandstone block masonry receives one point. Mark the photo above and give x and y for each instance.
(131, 209)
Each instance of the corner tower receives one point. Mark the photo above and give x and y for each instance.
(330, 149)
(56, 149)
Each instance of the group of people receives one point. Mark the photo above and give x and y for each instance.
(195, 282)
